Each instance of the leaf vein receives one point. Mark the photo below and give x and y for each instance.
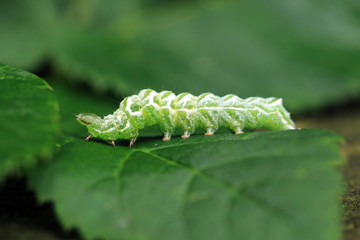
(234, 191)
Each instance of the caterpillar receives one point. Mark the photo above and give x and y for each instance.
(186, 112)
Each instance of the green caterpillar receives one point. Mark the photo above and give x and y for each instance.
(186, 112)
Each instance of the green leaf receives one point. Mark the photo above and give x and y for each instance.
(29, 119)
(27, 31)
(284, 49)
(265, 185)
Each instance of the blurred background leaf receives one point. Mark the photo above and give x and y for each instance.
(27, 32)
(29, 119)
(306, 52)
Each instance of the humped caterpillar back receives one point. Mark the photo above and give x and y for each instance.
(186, 112)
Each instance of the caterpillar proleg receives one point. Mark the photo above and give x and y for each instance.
(186, 112)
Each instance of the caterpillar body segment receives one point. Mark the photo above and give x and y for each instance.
(188, 113)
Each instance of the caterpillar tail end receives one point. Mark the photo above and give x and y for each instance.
(291, 127)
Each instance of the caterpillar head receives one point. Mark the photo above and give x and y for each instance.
(109, 128)
(87, 118)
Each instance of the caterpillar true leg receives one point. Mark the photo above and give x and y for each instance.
(132, 141)
(88, 138)
(112, 143)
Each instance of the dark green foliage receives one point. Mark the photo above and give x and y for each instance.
(29, 119)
